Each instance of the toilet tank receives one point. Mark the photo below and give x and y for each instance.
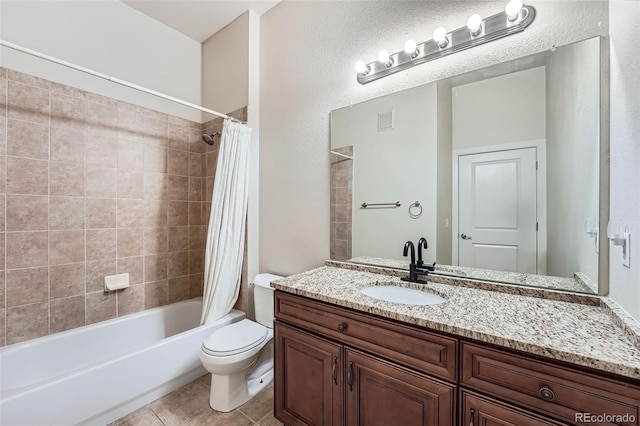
(263, 298)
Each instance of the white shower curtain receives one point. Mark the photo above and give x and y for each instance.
(225, 237)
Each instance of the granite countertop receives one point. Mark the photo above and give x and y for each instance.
(590, 335)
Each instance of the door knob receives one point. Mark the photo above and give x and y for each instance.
(465, 237)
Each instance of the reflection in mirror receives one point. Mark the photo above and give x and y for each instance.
(497, 168)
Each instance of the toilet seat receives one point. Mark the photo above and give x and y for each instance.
(235, 338)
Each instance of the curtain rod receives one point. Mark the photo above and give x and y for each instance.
(113, 79)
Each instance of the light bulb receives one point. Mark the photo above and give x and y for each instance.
(474, 23)
(513, 9)
(383, 58)
(361, 67)
(440, 37)
(410, 48)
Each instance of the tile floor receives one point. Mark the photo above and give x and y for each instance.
(189, 405)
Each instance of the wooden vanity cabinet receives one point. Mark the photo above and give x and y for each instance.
(478, 410)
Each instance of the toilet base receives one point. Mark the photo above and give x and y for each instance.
(230, 392)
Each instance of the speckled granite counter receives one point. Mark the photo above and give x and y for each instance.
(585, 335)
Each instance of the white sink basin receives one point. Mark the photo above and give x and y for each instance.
(406, 296)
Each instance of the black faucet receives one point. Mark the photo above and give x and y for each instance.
(420, 268)
(422, 242)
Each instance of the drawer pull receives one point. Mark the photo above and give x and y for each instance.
(342, 327)
(350, 376)
(547, 394)
(333, 370)
(473, 416)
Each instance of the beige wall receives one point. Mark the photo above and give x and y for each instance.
(308, 50)
(625, 147)
(93, 187)
(225, 67)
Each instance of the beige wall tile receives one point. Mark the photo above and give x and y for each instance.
(57, 88)
(155, 159)
(134, 266)
(100, 307)
(156, 294)
(96, 271)
(3, 135)
(101, 212)
(195, 213)
(26, 286)
(28, 79)
(179, 289)
(210, 161)
(67, 313)
(196, 284)
(155, 186)
(67, 145)
(27, 176)
(195, 165)
(3, 326)
(27, 249)
(154, 130)
(3, 172)
(130, 124)
(155, 267)
(130, 242)
(67, 280)
(68, 112)
(195, 189)
(66, 247)
(155, 213)
(155, 240)
(101, 182)
(27, 213)
(2, 251)
(131, 300)
(130, 184)
(101, 244)
(3, 299)
(197, 237)
(99, 99)
(130, 213)
(3, 205)
(25, 139)
(178, 264)
(178, 136)
(178, 213)
(178, 188)
(130, 155)
(102, 118)
(3, 97)
(196, 262)
(178, 162)
(66, 213)
(27, 322)
(208, 189)
(67, 179)
(178, 238)
(102, 150)
(196, 144)
(28, 103)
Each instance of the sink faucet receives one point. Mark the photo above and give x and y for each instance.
(417, 269)
(422, 242)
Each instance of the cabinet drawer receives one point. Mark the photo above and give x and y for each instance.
(419, 349)
(564, 393)
(479, 410)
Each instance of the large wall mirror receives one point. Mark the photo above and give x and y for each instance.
(499, 169)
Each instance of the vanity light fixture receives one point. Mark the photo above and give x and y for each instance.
(514, 19)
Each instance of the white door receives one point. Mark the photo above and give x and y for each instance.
(497, 210)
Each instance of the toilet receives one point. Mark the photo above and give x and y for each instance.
(239, 356)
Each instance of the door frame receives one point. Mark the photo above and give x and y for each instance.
(541, 194)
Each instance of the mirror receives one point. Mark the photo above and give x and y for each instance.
(497, 168)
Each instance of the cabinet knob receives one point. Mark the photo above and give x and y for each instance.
(342, 327)
(473, 417)
(547, 394)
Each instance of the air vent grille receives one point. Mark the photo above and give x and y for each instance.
(385, 121)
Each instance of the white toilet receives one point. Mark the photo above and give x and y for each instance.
(239, 356)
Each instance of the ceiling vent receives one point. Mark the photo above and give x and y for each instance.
(385, 121)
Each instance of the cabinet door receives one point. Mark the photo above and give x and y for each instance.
(480, 411)
(308, 379)
(380, 393)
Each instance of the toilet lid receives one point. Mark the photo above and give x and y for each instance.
(235, 338)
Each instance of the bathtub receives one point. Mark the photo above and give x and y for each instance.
(101, 372)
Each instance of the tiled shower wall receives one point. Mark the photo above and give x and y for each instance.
(91, 186)
(341, 203)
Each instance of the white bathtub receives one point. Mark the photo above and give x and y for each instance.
(101, 372)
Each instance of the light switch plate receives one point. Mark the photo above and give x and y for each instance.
(626, 250)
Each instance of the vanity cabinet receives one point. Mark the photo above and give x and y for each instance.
(336, 366)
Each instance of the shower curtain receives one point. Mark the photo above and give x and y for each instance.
(225, 237)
